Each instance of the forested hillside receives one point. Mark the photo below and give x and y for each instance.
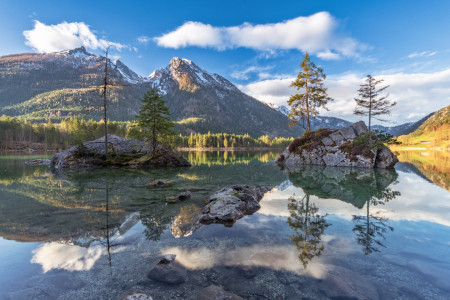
(433, 131)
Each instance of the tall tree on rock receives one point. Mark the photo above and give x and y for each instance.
(153, 121)
(371, 104)
(304, 106)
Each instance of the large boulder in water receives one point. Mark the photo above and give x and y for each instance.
(121, 152)
(166, 269)
(231, 203)
(336, 148)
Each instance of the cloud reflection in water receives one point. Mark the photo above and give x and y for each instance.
(71, 258)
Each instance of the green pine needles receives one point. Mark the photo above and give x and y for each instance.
(306, 105)
(153, 121)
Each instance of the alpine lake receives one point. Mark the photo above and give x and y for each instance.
(321, 233)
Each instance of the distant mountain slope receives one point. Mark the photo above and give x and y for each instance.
(42, 86)
(57, 85)
(415, 125)
(434, 120)
(337, 123)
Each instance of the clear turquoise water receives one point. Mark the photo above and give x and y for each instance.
(320, 233)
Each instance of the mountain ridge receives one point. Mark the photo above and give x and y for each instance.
(57, 85)
(54, 86)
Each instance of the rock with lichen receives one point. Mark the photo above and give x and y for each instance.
(121, 153)
(337, 148)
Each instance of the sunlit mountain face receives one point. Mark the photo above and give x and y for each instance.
(68, 227)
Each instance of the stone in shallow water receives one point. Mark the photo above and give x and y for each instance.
(217, 293)
(231, 203)
(159, 183)
(184, 195)
(341, 283)
(437, 276)
(168, 270)
(134, 295)
(248, 268)
(26, 294)
(38, 162)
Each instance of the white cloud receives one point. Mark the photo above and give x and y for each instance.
(244, 74)
(135, 49)
(316, 33)
(51, 38)
(425, 53)
(416, 94)
(144, 39)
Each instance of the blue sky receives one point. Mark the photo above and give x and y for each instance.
(258, 45)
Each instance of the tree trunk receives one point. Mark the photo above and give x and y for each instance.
(154, 140)
(307, 108)
(104, 104)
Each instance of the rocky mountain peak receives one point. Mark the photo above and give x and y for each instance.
(77, 52)
(181, 70)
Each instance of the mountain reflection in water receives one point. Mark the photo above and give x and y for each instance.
(94, 233)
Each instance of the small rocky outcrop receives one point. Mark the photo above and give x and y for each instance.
(336, 148)
(168, 270)
(214, 292)
(231, 203)
(121, 153)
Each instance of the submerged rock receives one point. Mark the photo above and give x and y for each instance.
(159, 183)
(335, 148)
(122, 152)
(168, 270)
(40, 162)
(214, 292)
(181, 196)
(436, 275)
(231, 203)
(341, 283)
(134, 295)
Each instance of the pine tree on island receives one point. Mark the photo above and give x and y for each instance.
(153, 121)
(306, 105)
(369, 104)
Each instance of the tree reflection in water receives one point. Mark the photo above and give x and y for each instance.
(371, 228)
(308, 226)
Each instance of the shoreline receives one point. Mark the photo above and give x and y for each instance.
(187, 149)
(417, 148)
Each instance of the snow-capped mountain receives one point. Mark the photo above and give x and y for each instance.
(177, 70)
(282, 109)
(336, 123)
(212, 103)
(80, 58)
(394, 130)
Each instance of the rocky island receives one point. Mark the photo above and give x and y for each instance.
(337, 148)
(121, 153)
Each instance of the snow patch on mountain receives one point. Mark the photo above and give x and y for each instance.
(282, 109)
